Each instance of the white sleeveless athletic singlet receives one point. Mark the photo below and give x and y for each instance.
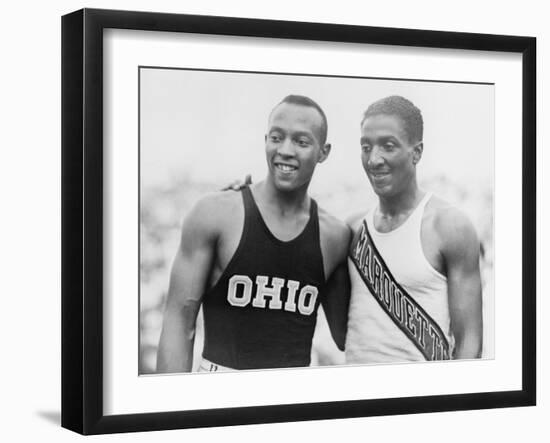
(372, 335)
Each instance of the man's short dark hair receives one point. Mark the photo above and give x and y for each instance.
(404, 109)
(302, 100)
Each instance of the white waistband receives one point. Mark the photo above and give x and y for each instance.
(208, 366)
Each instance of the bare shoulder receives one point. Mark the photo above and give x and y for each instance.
(211, 211)
(220, 201)
(335, 233)
(452, 225)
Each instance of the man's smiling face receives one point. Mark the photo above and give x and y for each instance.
(388, 156)
(294, 145)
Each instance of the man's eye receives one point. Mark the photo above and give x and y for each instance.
(303, 142)
(366, 148)
(275, 138)
(389, 146)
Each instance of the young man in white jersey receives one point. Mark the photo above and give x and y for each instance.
(414, 259)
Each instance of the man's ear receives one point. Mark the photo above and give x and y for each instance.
(417, 152)
(325, 151)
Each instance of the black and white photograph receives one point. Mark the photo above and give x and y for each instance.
(291, 221)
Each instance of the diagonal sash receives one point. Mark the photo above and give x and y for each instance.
(395, 301)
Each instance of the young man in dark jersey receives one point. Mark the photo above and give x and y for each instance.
(260, 261)
(414, 259)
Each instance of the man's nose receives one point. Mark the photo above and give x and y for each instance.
(286, 148)
(376, 157)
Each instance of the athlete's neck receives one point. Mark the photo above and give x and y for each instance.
(401, 203)
(284, 202)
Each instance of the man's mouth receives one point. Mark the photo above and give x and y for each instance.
(285, 167)
(379, 174)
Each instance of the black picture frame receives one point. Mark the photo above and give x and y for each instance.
(82, 220)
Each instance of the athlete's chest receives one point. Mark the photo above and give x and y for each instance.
(404, 245)
(385, 224)
(249, 247)
(256, 270)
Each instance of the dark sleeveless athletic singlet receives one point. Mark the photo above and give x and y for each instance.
(262, 311)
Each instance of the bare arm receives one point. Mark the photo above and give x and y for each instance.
(461, 254)
(336, 304)
(335, 239)
(188, 280)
